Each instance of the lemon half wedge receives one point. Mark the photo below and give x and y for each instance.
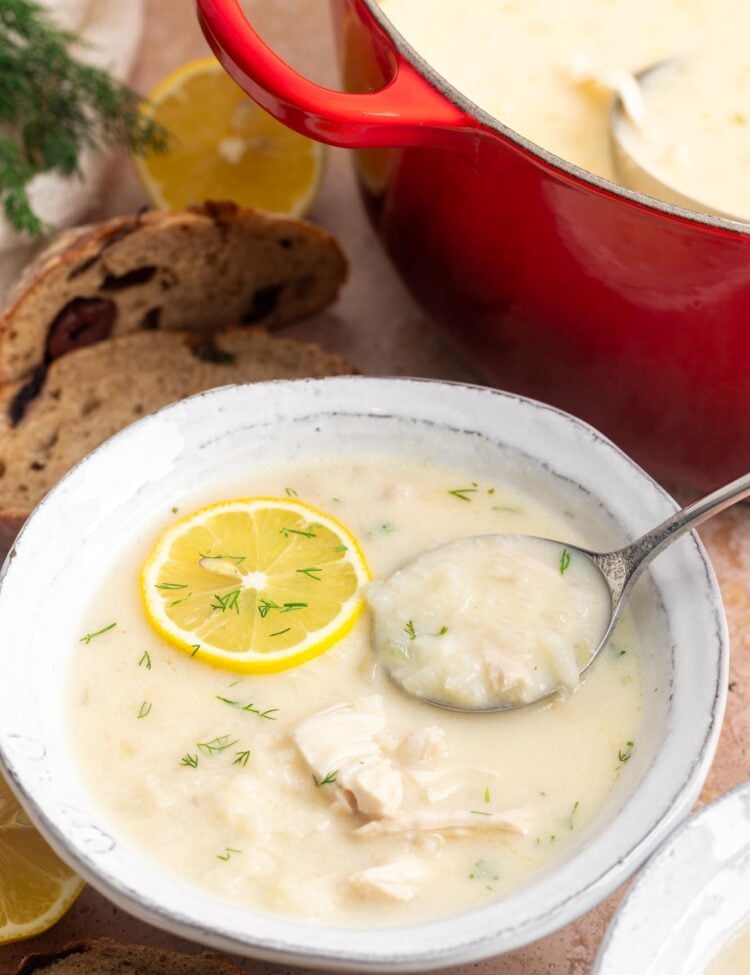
(225, 147)
(254, 585)
(36, 887)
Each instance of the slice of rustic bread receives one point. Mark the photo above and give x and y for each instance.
(205, 268)
(101, 956)
(96, 391)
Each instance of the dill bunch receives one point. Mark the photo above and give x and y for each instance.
(53, 106)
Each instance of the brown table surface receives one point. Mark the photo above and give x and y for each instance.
(377, 325)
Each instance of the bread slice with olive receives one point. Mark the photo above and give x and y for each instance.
(94, 392)
(214, 265)
(100, 956)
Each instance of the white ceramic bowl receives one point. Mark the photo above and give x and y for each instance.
(114, 493)
(690, 900)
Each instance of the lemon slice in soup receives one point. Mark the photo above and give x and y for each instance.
(254, 585)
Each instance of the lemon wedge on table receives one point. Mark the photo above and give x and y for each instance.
(225, 147)
(36, 887)
(254, 585)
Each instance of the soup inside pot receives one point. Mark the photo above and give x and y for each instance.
(549, 69)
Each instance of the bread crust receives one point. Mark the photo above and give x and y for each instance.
(94, 392)
(213, 964)
(247, 253)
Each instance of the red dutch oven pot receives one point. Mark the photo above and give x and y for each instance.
(549, 281)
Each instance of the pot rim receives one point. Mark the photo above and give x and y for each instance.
(578, 173)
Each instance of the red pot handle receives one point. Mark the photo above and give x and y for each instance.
(408, 111)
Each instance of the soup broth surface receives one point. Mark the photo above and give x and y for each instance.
(488, 799)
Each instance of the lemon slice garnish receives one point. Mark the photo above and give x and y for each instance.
(225, 147)
(36, 887)
(255, 585)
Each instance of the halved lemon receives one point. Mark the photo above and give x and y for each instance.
(36, 887)
(255, 585)
(225, 147)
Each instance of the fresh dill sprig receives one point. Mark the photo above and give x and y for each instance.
(341, 548)
(242, 758)
(309, 572)
(105, 629)
(286, 532)
(625, 754)
(145, 660)
(479, 812)
(280, 632)
(487, 794)
(564, 561)
(442, 631)
(53, 107)
(145, 709)
(328, 780)
(171, 585)
(191, 761)
(291, 493)
(227, 854)
(228, 601)
(290, 607)
(196, 647)
(265, 606)
(409, 630)
(572, 815)
(268, 714)
(219, 744)
(239, 559)
(461, 493)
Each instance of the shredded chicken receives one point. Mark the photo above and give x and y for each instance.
(449, 821)
(396, 880)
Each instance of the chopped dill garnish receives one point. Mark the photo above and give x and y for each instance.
(341, 548)
(177, 602)
(280, 632)
(386, 528)
(409, 630)
(624, 754)
(219, 744)
(235, 682)
(483, 871)
(227, 854)
(564, 561)
(286, 532)
(191, 761)
(171, 585)
(90, 636)
(505, 507)
(239, 559)
(145, 660)
(196, 647)
(290, 607)
(242, 758)
(265, 606)
(248, 707)
(442, 631)
(487, 794)
(309, 572)
(461, 493)
(145, 709)
(228, 601)
(573, 812)
(291, 493)
(175, 510)
(331, 777)
(479, 812)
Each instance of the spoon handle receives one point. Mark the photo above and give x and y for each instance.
(636, 556)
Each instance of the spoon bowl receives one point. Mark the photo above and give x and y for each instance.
(512, 678)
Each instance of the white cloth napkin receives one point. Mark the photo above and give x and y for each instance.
(112, 29)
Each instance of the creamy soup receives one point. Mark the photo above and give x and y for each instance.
(489, 621)
(324, 792)
(548, 69)
(734, 959)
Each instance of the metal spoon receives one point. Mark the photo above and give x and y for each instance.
(632, 172)
(619, 570)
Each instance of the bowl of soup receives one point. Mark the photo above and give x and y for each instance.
(689, 911)
(307, 809)
(485, 166)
